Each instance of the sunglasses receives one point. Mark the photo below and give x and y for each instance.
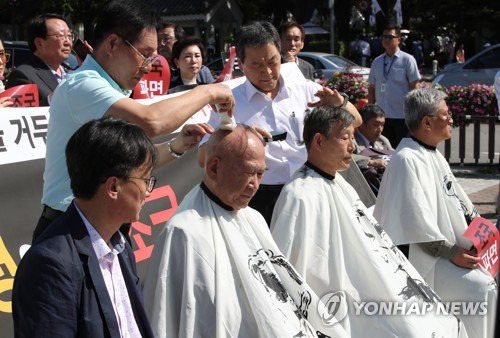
(389, 37)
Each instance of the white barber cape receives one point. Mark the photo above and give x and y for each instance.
(216, 272)
(420, 201)
(325, 231)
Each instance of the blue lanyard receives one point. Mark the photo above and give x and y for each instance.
(386, 74)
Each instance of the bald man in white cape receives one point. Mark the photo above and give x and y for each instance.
(215, 270)
(420, 203)
(326, 232)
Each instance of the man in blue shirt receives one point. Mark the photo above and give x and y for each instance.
(124, 45)
(392, 75)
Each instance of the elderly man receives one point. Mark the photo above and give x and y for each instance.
(372, 150)
(421, 204)
(272, 103)
(215, 270)
(326, 232)
(292, 41)
(79, 278)
(125, 41)
(50, 40)
(392, 75)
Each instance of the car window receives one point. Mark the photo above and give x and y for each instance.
(316, 63)
(338, 61)
(490, 59)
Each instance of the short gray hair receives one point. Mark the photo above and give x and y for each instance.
(256, 34)
(419, 103)
(320, 120)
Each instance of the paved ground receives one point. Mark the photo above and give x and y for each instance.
(482, 186)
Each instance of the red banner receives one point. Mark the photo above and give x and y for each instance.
(23, 95)
(484, 236)
(154, 83)
(227, 72)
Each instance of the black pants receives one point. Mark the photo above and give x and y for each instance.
(395, 130)
(265, 199)
(49, 215)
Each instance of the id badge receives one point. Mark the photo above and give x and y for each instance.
(382, 88)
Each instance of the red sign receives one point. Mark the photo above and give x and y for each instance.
(154, 83)
(227, 72)
(23, 95)
(485, 237)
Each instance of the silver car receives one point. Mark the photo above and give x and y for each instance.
(481, 69)
(331, 63)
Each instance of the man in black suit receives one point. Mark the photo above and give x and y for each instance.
(79, 277)
(50, 39)
(292, 42)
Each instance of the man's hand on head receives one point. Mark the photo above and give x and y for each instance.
(327, 97)
(189, 136)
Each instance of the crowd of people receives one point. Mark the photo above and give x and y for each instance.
(273, 242)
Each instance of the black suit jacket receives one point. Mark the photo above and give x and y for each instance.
(59, 290)
(35, 71)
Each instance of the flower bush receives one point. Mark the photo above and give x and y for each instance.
(349, 83)
(476, 99)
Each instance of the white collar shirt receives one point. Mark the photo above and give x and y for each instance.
(107, 255)
(283, 113)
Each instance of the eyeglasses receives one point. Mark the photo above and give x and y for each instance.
(389, 36)
(146, 60)
(62, 37)
(165, 38)
(447, 116)
(149, 181)
(5, 56)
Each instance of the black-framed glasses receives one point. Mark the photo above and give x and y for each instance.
(62, 36)
(147, 61)
(389, 36)
(4, 55)
(150, 182)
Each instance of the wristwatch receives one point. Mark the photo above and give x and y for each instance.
(346, 99)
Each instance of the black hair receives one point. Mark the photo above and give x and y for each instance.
(37, 28)
(370, 111)
(125, 18)
(103, 148)
(285, 26)
(256, 34)
(179, 45)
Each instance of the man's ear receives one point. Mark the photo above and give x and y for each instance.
(112, 186)
(212, 167)
(317, 141)
(38, 42)
(111, 42)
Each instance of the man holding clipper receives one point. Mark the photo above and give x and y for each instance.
(270, 102)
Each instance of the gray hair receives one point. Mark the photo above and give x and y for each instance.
(419, 103)
(256, 34)
(320, 120)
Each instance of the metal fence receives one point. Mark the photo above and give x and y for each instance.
(463, 139)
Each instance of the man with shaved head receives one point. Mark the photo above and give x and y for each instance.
(215, 270)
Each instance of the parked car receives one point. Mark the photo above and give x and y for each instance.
(481, 69)
(331, 63)
(20, 53)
